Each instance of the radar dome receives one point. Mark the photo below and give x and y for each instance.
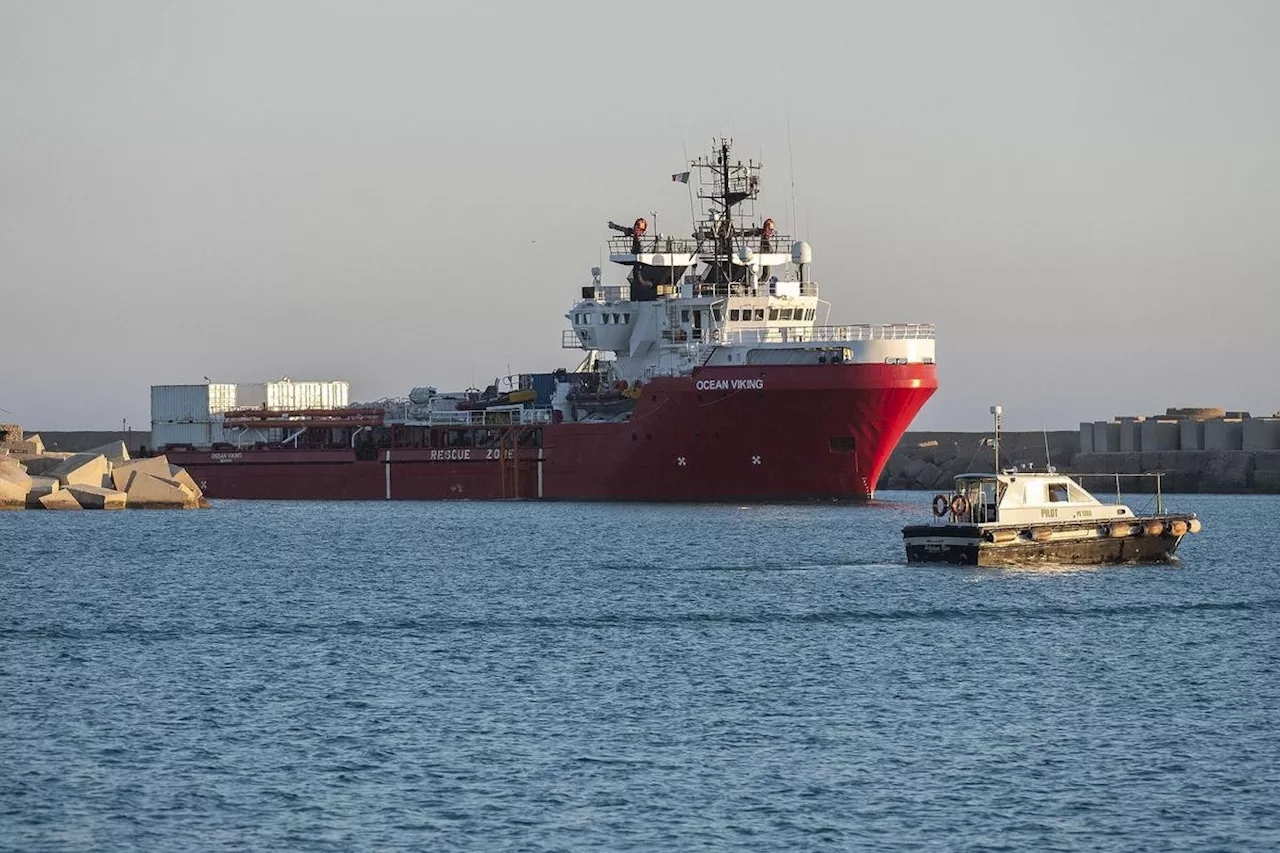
(801, 252)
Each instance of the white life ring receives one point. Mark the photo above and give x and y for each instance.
(715, 334)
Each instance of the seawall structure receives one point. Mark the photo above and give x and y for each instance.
(104, 477)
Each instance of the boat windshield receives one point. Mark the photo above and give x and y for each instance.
(982, 497)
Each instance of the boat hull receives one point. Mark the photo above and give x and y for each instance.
(795, 432)
(967, 545)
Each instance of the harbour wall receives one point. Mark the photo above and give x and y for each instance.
(930, 461)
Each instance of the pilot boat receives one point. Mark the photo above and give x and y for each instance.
(1020, 517)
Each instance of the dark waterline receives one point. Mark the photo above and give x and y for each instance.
(406, 676)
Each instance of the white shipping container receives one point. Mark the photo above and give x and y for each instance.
(287, 394)
(190, 403)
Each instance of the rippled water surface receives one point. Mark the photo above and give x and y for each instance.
(412, 676)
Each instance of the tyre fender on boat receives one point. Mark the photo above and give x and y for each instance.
(940, 505)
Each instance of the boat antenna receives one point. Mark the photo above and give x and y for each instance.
(795, 221)
(996, 412)
(1048, 460)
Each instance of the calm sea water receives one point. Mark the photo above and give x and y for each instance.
(510, 676)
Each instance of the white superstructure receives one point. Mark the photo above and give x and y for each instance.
(752, 301)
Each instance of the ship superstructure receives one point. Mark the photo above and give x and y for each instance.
(706, 375)
(734, 293)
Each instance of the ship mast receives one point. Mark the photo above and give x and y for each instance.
(725, 189)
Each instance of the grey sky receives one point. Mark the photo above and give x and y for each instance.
(1085, 197)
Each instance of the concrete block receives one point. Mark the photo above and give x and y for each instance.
(1226, 472)
(1224, 434)
(1261, 434)
(1265, 460)
(157, 466)
(115, 452)
(16, 474)
(96, 497)
(929, 477)
(13, 493)
(1086, 438)
(1190, 435)
(44, 463)
(1130, 436)
(147, 491)
(32, 444)
(41, 486)
(1160, 435)
(1106, 437)
(85, 469)
(13, 465)
(61, 499)
(180, 475)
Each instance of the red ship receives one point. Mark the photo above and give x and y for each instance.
(706, 378)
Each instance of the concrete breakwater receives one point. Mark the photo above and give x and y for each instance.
(101, 478)
(929, 460)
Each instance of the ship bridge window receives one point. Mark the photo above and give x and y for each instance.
(1078, 495)
(718, 314)
(626, 319)
(786, 313)
(733, 314)
(773, 313)
(1058, 493)
(759, 315)
(616, 321)
(684, 316)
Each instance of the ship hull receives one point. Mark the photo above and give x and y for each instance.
(766, 433)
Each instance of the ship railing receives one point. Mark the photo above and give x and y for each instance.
(824, 334)
(496, 416)
(623, 245)
(663, 245)
(767, 287)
